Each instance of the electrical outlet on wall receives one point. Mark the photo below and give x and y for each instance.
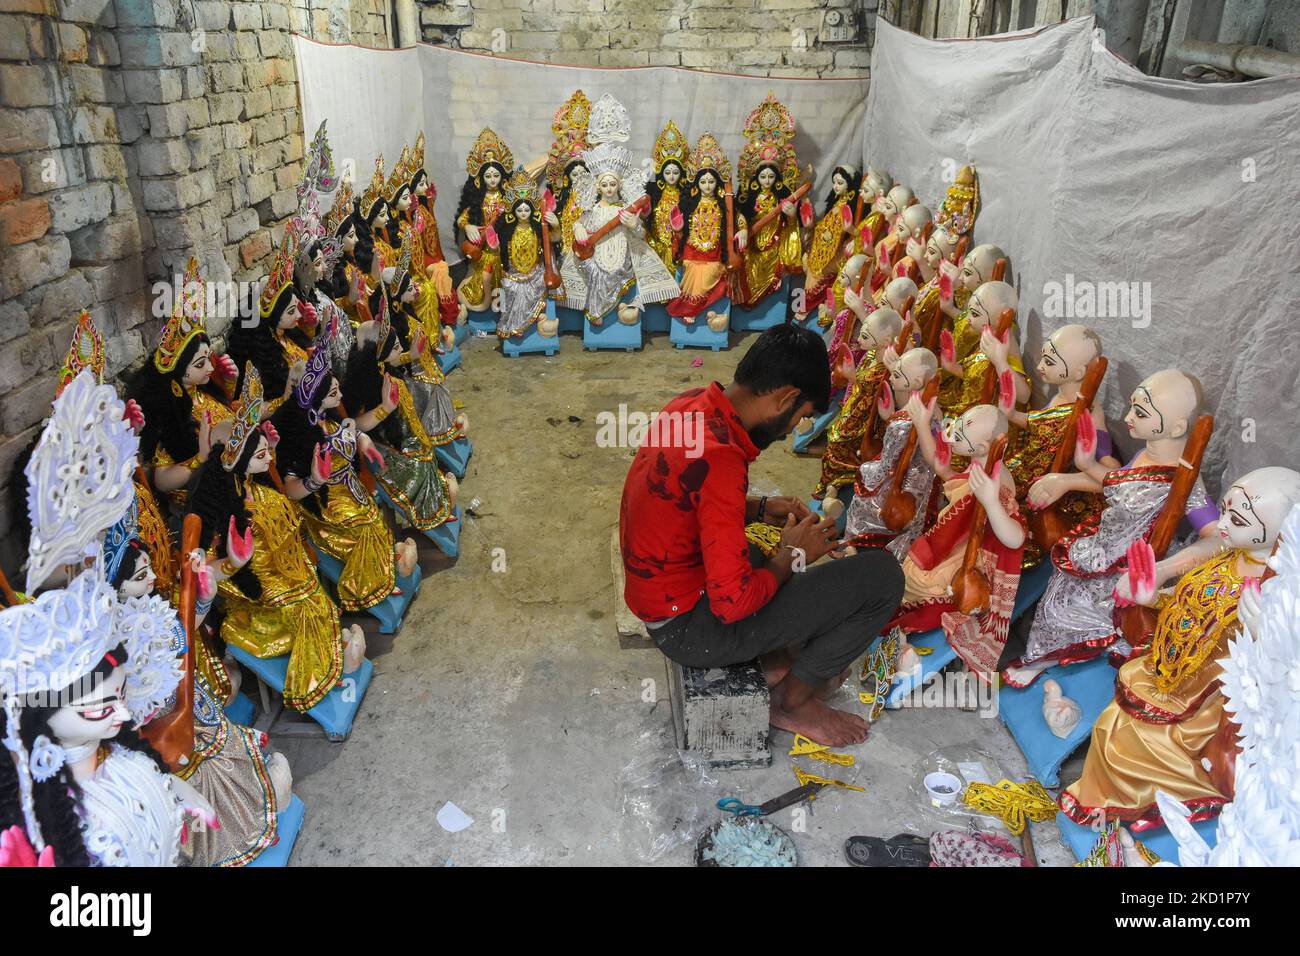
(839, 25)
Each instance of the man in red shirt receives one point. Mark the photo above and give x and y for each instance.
(707, 598)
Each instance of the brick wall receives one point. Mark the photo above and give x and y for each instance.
(133, 134)
(755, 37)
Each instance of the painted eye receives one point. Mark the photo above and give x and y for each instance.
(97, 713)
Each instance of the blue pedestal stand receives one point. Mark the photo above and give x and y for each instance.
(336, 712)
(769, 312)
(699, 335)
(655, 318)
(462, 332)
(815, 506)
(1159, 841)
(288, 824)
(454, 456)
(388, 612)
(1032, 585)
(449, 359)
(1090, 684)
(485, 322)
(820, 424)
(532, 340)
(446, 535)
(240, 710)
(611, 333)
(571, 320)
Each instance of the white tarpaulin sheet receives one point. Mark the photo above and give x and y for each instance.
(1090, 173)
(377, 100)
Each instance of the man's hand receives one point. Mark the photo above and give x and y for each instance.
(815, 535)
(780, 507)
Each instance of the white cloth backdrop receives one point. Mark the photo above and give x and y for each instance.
(377, 100)
(1090, 169)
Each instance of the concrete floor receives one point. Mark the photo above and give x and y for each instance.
(509, 693)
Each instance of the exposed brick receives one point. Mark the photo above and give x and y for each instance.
(24, 220)
(146, 13)
(94, 124)
(33, 263)
(106, 241)
(74, 47)
(27, 405)
(99, 12)
(73, 208)
(13, 320)
(61, 299)
(255, 248)
(106, 162)
(23, 357)
(97, 85)
(152, 86)
(11, 180)
(22, 85)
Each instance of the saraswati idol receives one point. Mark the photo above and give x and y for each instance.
(482, 200)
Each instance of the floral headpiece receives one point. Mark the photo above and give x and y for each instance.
(570, 129)
(318, 167)
(488, 148)
(610, 122)
(769, 131)
(247, 418)
(187, 319)
(959, 208)
(86, 351)
(520, 188)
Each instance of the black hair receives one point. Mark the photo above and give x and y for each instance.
(168, 417)
(747, 197)
(298, 439)
(130, 562)
(252, 338)
(472, 193)
(393, 231)
(655, 188)
(788, 355)
(691, 200)
(56, 800)
(216, 499)
(851, 194)
(562, 196)
(364, 385)
(509, 224)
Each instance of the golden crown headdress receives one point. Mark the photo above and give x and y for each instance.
(570, 129)
(488, 148)
(959, 208)
(375, 189)
(399, 176)
(709, 154)
(187, 319)
(671, 145)
(520, 187)
(417, 158)
(282, 265)
(769, 130)
(341, 209)
(86, 351)
(248, 415)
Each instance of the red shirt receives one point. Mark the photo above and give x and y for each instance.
(682, 519)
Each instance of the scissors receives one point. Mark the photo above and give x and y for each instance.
(788, 799)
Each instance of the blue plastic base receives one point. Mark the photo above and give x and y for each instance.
(533, 341)
(336, 712)
(612, 334)
(1159, 841)
(815, 507)
(1090, 684)
(655, 319)
(484, 322)
(462, 333)
(769, 312)
(571, 320)
(698, 334)
(388, 612)
(449, 359)
(447, 535)
(454, 456)
(240, 710)
(1032, 585)
(820, 424)
(288, 824)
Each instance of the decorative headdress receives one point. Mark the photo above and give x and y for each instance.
(118, 538)
(374, 190)
(86, 351)
(416, 165)
(400, 176)
(340, 210)
(281, 276)
(709, 155)
(570, 129)
(318, 167)
(959, 208)
(247, 417)
(151, 630)
(79, 477)
(671, 145)
(402, 269)
(317, 372)
(520, 187)
(610, 122)
(186, 322)
(488, 148)
(769, 130)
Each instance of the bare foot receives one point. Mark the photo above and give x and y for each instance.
(462, 423)
(776, 665)
(688, 319)
(597, 320)
(1024, 676)
(832, 508)
(819, 723)
(354, 649)
(832, 686)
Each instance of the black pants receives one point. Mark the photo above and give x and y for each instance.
(826, 616)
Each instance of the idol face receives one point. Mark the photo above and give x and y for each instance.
(839, 185)
(672, 173)
(291, 314)
(260, 463)
(199, 371)
(95, 715)
(142, 581)
(350, 239)
(1145, 419)
(1240, 525)
(609, 186)
(333, 396)
(492, 178)
(767, 178)
(708, 184)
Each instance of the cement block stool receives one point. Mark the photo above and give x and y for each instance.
(698, 334)
(454, 456)
(533, 340)
(655, 318)
(335, 713)
(721, 714)
(571, 320)
(484, 323)
(288, 824)
(769, 312)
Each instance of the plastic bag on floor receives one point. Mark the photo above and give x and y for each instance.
(666, 801)
(941, 777)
